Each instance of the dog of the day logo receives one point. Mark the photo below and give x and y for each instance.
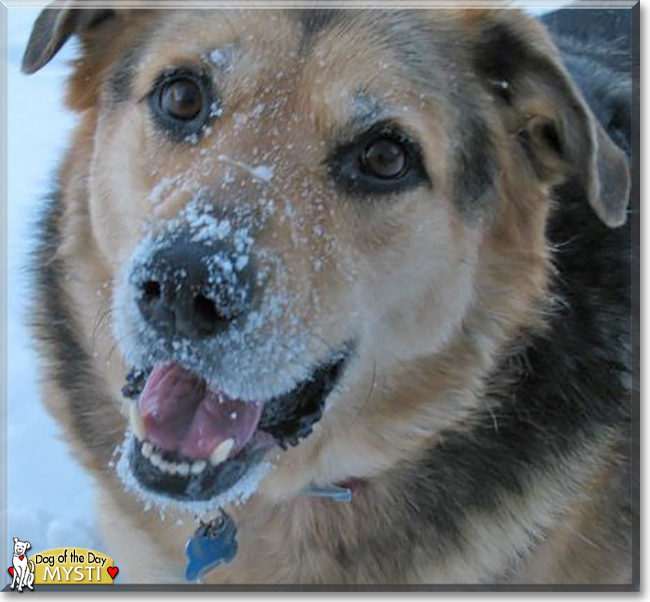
(60, 566)
(21, 569)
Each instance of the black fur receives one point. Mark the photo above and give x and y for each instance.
(52, 29)
(571, 382)
(71, 367)
(315, 21)
(600, 62)
(120, 81)
(475, 168)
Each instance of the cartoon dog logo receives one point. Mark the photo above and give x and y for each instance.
(23, 569)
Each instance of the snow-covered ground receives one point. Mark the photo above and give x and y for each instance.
(50, 499)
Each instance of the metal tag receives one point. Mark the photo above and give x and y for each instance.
(212, 544)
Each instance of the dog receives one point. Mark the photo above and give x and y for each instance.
(23, 568)
(301, 255)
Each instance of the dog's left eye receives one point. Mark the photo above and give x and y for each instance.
(382, 161)
(181, 102)
(385, 158)
(181, 99)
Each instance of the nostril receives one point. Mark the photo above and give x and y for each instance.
(151, 290)
(206, 310)
(190, 290)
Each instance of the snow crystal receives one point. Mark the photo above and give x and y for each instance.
(227, 178)
(258, 110)
(241, 263)
(263, 172)
(204, 225)
(161, 187)
(218, 57)
(240, 118)
(224, 263)
(215, 110)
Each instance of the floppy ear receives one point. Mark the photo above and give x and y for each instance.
(27, 545)
(15, 540)
(543, 108)
(53, 28)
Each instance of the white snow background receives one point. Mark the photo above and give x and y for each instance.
(50, 499)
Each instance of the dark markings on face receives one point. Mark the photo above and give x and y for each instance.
(498, 53)
(420, 48)
(404, 37)
(120, 81)
(316, 21)
(475, 167)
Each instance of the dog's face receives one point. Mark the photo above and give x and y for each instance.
(20, 547)
(300, 211)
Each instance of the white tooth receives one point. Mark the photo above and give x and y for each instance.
(172, 468)
(156, 460)
(137, 424)
(147, 449)
(183, 469)
(198, 466)
(164, 466)
(221, 452)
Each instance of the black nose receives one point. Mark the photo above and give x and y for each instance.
(191, 290)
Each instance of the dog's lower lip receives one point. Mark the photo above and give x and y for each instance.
(199, 485)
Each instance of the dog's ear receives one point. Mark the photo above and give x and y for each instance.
(16, 540)
(545, 111)
(27, 545)
(54, 26)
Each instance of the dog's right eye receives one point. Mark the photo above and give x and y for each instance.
(182, 102)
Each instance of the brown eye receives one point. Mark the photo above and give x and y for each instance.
(181, 99)
(385, 158)
(382, 161)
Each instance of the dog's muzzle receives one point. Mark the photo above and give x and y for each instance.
(191, 440)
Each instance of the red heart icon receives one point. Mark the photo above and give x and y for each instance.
(11, 571)
(112, 571)
(21, 557)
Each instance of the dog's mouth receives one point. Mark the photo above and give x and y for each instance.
(193, 443)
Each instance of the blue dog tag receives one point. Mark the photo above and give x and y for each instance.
(212, 544)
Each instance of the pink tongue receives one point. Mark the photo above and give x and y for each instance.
(182, 415)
